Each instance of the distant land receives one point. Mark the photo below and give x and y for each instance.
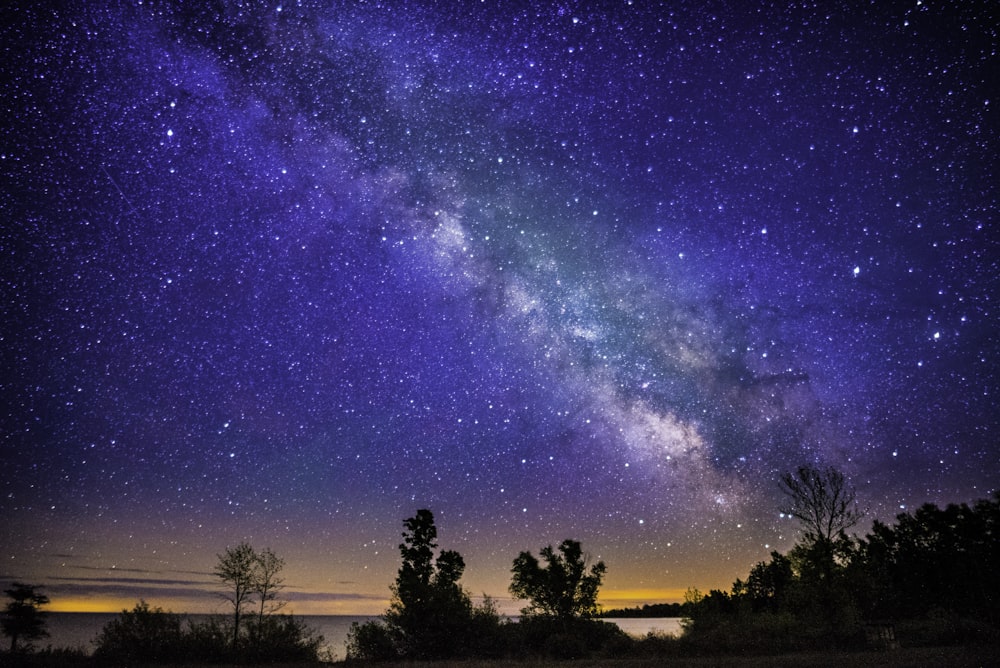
(648, 610)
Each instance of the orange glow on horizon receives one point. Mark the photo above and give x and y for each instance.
(196, 607)
(631, 598)
(613, 598)
(89, 605)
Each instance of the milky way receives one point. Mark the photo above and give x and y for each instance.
(287, 273)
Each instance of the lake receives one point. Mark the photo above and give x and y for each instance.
(80, 629)
(641, 626)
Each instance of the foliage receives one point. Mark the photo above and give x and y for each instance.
(933, 575)
(145, 634)
(934, 560)
(566, 638)
(769, 583)
(283, 638)
(431, 616)
(140, 635)
(23, 617)
(563, 588)
(429, 608)
(209, 639)
(371, 641)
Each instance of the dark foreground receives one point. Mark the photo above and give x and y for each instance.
(922, 657)
(917, 657)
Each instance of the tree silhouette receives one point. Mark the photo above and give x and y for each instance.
(821, 501)
(936, 559)
(23, 617)
(140, 635)
(249, 574)
(430, 609)
(236, 570)
(430, 616)
(563, 588)
(768, 583)
(267, 583)
(825, 506)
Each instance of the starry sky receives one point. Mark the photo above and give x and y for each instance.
(288, 272)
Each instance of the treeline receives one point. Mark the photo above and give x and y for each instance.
(932, 578)
(147, 634)
(432, 617)
(647, 611)
(254, 632)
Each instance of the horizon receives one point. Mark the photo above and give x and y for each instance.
(210, 595)
(287, 273)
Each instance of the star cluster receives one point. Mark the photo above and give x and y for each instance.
(287, 272)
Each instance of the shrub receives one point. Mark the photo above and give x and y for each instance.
(141, 634)
(145, 634)
(371, 641)
(943, 629)
(209, 639)
(567, 638)
(282, 638)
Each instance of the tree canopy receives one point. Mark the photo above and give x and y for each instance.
(23, 617)
(563, 587)
(430, 616)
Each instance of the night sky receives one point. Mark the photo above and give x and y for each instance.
(289, 272)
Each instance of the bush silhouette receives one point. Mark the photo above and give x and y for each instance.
(141, 634)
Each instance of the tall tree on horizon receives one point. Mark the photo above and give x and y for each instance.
(821, 500)
(236, 571)
(23, 616)
(430, 609)
(267, 583)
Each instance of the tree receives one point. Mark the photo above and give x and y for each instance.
(821, 501)
(563, 588)
(826, 508)
(267, 583)
(23, 617)
(237, 570)
(936, 559)
(768, 583)
(430, 616)
(430, 610)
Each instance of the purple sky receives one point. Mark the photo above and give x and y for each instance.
(289, 273)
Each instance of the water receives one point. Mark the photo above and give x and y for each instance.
(640, 626)
(80, 629)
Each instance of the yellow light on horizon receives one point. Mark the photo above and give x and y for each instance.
(188, 606)
(88, 605)
(618, 598)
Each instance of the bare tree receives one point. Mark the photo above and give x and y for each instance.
(236, 569)
(267, 584)
(821, 501)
